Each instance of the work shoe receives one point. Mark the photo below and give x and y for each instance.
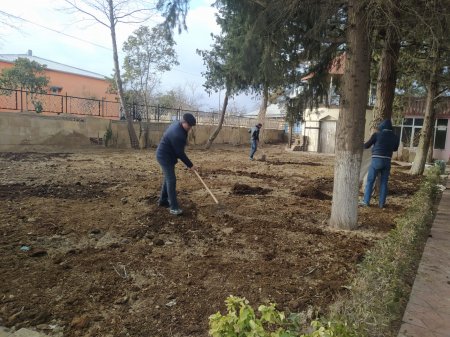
(362, 204)
(177, 211)
(163, 204)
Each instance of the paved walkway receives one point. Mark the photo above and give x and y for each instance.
(428, 311)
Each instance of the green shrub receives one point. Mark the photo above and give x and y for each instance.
(241, 321)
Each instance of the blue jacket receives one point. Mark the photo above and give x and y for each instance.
(172, 144)
(384, 142)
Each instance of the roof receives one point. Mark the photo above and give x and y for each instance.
(336, 67)
(415, 106)
(51, 65)
(273, 111)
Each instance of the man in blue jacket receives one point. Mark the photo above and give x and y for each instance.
(384, 142)
(170, 149)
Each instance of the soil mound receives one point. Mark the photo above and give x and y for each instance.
(312, 192)
(242, 189)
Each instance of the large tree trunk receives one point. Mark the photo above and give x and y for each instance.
(262, 114)
(131, 132)
(219, 126)
(418, 165)
(387, 78)
(352, 115)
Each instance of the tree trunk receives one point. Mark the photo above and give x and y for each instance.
(131, 132)
(387, 78)
(418, 165)
(291, 126)
(219, 126)
(352, 115)
(431, 147)
(262, 114)
(386, 82)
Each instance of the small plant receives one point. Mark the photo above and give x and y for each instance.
(241, 321)
(108, 135)
(38, 106)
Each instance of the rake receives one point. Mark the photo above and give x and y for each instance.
(212, 195)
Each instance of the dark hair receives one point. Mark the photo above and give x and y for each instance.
(259, 125)
(190, 119)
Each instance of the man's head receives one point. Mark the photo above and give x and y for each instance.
(188, 121)
(259, 125)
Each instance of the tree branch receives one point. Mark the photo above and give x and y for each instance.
(75, 6)
(118, 18)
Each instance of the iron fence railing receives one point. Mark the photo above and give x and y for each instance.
(19, 100)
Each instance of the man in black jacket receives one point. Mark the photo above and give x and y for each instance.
(170, 149)
(384, 142)
(254, 139)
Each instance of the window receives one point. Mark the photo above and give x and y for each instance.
(409, 131)
(55, 90)
(406, 136)
(410, 128)
(440, 133)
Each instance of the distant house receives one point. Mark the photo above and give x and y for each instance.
(320, 122)
(65, 79)
(275, 117)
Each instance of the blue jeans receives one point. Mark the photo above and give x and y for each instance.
(169, 186)
(254, 147)
(380, 166)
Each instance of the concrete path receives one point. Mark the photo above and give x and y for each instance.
(428, 311)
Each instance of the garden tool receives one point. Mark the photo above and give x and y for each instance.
(212, 195)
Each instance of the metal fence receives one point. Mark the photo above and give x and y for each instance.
(19, 100)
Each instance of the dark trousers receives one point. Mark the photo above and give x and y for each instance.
(169, 186)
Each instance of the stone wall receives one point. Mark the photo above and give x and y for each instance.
(28, 129)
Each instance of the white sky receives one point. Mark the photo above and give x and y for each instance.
(64, 49)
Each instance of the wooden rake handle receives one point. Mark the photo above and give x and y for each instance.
(212, 195)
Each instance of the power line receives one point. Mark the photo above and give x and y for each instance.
(54, 30)
(77, 38)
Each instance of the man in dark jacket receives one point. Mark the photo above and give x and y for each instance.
(254, 139)
(384, 142)
(170, 149)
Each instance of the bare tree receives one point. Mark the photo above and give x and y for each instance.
(110, 13)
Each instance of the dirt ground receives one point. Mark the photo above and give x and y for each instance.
(85, 248)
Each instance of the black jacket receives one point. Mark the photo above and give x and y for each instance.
(384, 142)
(254, 133)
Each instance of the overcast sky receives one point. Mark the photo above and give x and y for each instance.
(96, 54)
